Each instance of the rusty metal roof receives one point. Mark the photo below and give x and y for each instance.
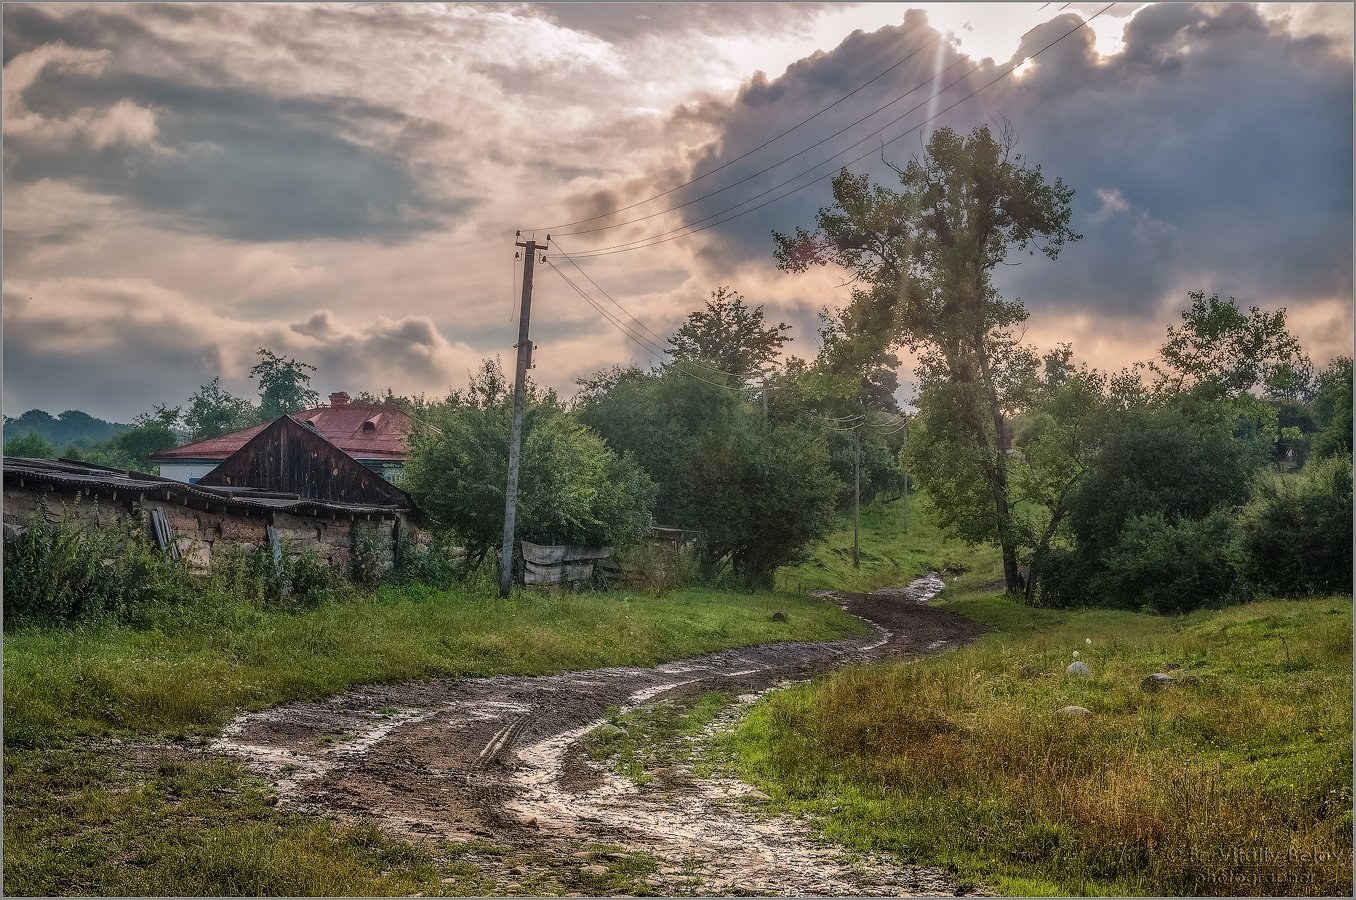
(363, 432)
(95, 479)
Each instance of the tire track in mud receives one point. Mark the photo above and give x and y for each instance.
(501, 760)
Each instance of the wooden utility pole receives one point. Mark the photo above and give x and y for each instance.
(857, 498)
(524, 347)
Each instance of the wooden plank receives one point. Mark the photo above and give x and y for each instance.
(544, 554)
(562, 573)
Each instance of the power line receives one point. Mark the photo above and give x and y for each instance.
(703, 365)
(798, 153)
(644, 345)
(749, 153)
(664, 237)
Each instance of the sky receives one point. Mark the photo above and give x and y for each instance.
(186, 183)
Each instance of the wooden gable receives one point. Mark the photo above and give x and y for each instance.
(289, 457)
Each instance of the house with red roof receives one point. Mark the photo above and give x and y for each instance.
(375, 436)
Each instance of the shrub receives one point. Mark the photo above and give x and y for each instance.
(438, 565)
(1174, 566)
(60, 571)
(1296, 531)
(368, 560)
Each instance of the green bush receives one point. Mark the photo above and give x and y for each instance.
(1174, 565)
(1296, 531)
(59, 571)
(439, 565)
(62, 572)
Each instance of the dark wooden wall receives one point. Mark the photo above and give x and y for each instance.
(289, 457)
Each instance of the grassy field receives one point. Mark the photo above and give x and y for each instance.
(1236, 780)
(890, 555)
(89, 809)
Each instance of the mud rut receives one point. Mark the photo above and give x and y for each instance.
(501, 760)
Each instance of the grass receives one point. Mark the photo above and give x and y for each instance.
(643, 741)
(193, 677)
(889, 555)
(1236, 780)
(93, 806)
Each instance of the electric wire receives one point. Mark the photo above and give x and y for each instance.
(664, 237)
(798, 153)
(620, 326)
(708, 367)
(749, 153)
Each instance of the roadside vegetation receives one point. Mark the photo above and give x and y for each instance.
(1235, 779)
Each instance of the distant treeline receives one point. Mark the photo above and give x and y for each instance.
(70, 427)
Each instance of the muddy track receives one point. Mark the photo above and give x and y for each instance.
(500, 760)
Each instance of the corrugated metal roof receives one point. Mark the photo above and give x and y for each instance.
(363, 432)
(70, 473)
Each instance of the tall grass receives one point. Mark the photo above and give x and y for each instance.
(1236, 780)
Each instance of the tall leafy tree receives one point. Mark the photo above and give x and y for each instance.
(923, 256)
(32, 445)
(284, 385)
(730, 335)
(213, 411)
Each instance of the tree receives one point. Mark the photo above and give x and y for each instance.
(284, 385)
(132, 449)
(730, 336)
(31, 445)
(759, 492)
(1332, 409)
(923, 258)
(572, 488)
(213, 411)
(1221, 350)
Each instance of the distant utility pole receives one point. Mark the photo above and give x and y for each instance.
(902, 451)
(524, 347)
(857, 497)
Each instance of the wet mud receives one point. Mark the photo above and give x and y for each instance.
(501, 761)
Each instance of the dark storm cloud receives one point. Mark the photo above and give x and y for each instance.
(227, 160)
(1215, 151)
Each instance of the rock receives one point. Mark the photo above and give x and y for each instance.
(586, 855)
(1157, 681)
(513, 888)
(779, 617)
(594, 869)
(1078, 668)
(756, 794)
(271, 800)
(1074, 712)
(608, 730)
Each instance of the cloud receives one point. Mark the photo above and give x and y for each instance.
(128, 343)
(1214, 152)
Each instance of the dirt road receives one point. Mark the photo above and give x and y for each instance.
(501, 761)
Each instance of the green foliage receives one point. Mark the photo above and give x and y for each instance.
(572, 489)
(284, 385)
(66, 571)
(1332, 409)
(760, 493)
(1173, 566)
(658, 569)
(729, 336)
(924, 257)
(213, 411)
(59, 571)
(132, 449)
(435, 567)
(1296, 531)
(1221, 351)
(32, 445)
(68, 427)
